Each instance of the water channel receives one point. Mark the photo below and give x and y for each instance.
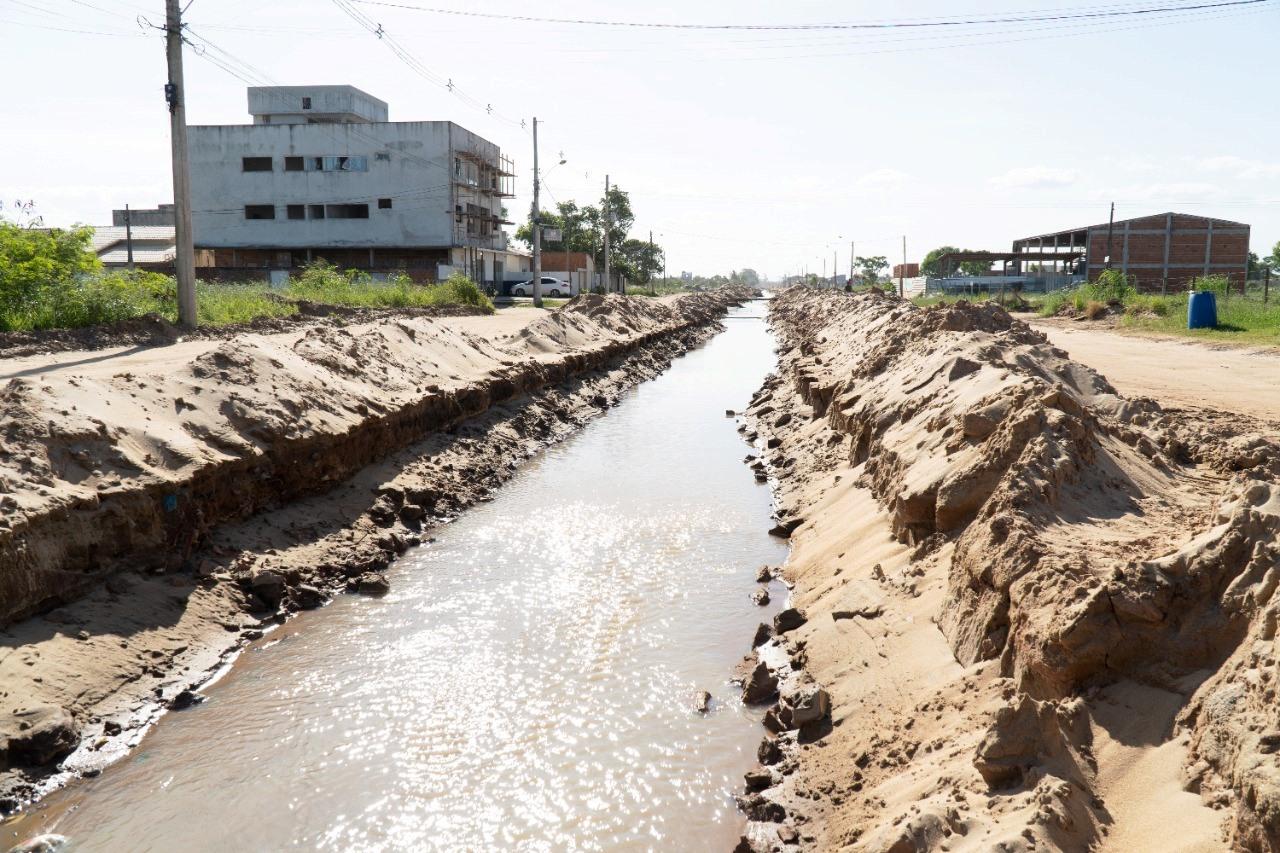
(528, 683)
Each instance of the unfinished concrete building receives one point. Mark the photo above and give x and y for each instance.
(1160, 252)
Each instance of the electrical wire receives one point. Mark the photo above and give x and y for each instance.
(863, 25)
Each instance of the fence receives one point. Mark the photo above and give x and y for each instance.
(975, 284)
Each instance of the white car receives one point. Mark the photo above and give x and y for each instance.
(551, 286)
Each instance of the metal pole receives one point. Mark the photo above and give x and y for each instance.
(608, 220)
(175, 94)
(128, 237)
(537, 224)
(1110, 225)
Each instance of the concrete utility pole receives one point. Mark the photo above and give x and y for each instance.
(535, 219)
(608, 220)
(850, 263)
(664, 262)
(902, 271)
(834, 271)
(647, 273)
(128, 237)
(175, 94)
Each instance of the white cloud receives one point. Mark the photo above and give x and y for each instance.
(1240, 167)
(1035, 178)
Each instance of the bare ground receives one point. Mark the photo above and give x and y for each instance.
(1041, 610)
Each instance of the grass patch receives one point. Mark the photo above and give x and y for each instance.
(324, 283)
(1241, 318)
(225, 304)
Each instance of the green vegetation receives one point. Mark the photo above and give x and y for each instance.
(324, 283)
(50, 279)
(1242, 318)
(582, 230)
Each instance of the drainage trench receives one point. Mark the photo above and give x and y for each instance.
(530, 680)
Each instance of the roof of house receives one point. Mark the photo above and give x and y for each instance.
(152, 244)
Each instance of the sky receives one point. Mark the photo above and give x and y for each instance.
(773, 149)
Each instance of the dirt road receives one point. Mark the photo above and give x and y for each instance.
(1176, 372)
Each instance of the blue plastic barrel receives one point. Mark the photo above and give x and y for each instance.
(1202, 310)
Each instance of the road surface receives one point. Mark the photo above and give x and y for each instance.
(1179, 373)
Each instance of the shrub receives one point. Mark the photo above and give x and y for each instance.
(1095, 309)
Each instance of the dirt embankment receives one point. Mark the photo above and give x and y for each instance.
(159, 517)
(1041, 613)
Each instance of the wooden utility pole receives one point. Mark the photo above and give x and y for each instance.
(128, 237)
(608, 220)
(535, 219)
(176, 95)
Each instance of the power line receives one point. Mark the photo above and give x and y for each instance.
(864, 25)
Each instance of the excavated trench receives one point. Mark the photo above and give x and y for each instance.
(532, 679)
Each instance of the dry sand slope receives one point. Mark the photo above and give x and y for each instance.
(1042, 611)
(132, 492)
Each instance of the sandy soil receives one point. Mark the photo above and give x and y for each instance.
(1031, 612)
(162, 507)
(1177, 373)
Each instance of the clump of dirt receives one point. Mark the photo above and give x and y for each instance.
(1062, 538)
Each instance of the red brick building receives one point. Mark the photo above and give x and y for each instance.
(1164, 251)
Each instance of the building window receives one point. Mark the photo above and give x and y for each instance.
(259, 211)
(384, 204)
(297, 211)
(317, 211)
(346, 211)
(256, 164)
(306, 103)
(294, 164)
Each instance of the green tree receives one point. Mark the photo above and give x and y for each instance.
(638, 260)
(929, 266)
(869, 269)
(36, 262)
(1273, 260)
(583, 230)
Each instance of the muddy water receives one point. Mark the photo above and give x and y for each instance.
(528, 683)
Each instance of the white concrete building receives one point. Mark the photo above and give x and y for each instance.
(322, 173)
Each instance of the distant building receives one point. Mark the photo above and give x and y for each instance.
(321, 173)
(153, 246)
(906, 270)
(1166, 250)
(161, 215)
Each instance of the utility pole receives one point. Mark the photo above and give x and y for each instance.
(608, 220)
(902, 271)
(664, 263)
(649, 275)
(128, 237)
(536, 218)
(1110, 225)
(176, 95)
(834, 267)
(851, 263)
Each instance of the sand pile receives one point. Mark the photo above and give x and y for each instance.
(1006, 551)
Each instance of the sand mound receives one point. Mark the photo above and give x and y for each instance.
(1080, 539)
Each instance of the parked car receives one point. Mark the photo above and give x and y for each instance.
(551, 286)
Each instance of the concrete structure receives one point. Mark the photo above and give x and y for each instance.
(1161, 252)
(322, 174)
(160, 216)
